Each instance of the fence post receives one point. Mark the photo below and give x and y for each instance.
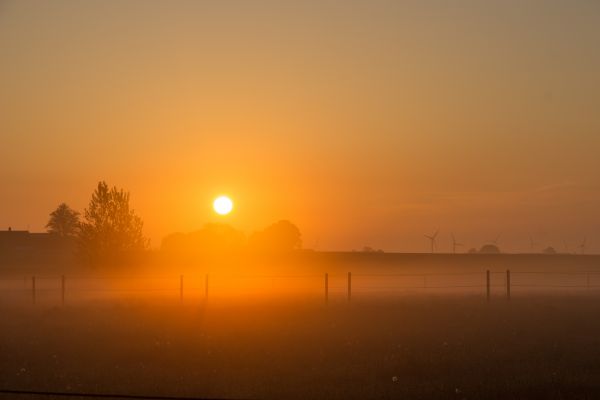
(180, 287)
(588, 281)
(326, 288)
(349, 286)
(487, 284)
(62, 289)
(206, 286)
(508, 284)
(33, 289)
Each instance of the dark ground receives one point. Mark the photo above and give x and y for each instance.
(412, 347)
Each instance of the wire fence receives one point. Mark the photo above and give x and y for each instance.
(63, 289)
(324, 287)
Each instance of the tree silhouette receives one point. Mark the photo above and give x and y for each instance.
(64, 221)
(110, 231)
(281, 236)
(212, 238)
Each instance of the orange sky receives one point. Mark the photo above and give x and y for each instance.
(364, 122)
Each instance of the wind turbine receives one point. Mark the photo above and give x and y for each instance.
(567, 250)
(495, 241)
(532, 243)
(432, 240)
(583, 245)
(455, 244)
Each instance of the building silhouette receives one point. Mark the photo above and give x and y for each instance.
(24, 247)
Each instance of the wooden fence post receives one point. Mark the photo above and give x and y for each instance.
(62, 289)
(487, 284)
(326, 287)
(33, 289)
(588, 281)
(508, 284)
(349, 286)
(180, 287)
(206, 287)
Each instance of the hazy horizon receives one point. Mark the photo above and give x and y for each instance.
(363, 122)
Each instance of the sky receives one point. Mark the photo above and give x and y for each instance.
(366, 123)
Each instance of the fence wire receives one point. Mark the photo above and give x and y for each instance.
(180, 286)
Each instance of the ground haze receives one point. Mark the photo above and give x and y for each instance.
(419, 326)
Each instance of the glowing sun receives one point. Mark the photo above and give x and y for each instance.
(223, 205)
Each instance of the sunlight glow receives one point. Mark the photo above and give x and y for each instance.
(223, 205)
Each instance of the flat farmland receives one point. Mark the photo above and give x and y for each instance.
(430, 346)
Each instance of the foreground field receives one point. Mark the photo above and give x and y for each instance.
(427, 347)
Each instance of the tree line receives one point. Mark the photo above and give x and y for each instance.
(282, 236)
(110, 232)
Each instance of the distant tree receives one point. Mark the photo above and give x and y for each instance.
(176, 243)
(281, 236)
(218, 238)
(549, 250)
(110, 231)
(369, 249)
(64, 221)
(489, 249)
(212, 238)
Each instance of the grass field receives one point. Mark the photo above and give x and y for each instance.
(411, 347)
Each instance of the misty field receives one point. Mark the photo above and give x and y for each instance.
(415, 347)
(415, 327)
